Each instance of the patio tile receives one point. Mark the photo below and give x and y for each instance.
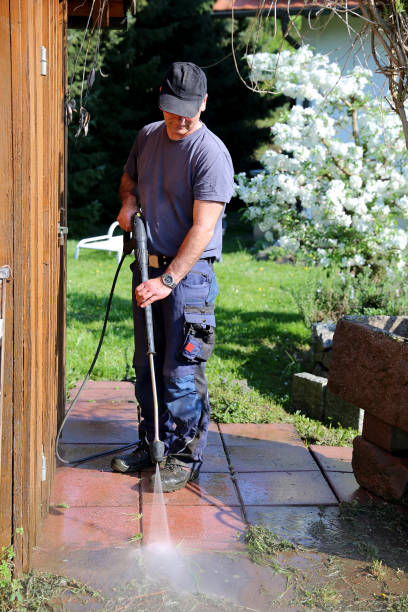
(214, 437)
(90, 528)
(347, 488)
(249, 434)
(104, 390)
(72, 452)
(199, 527)
(333, 458)
(285, 489)
(214, 460)
(100, 432)
(82, 487)
(104, 410)
(209, 489)
(305, 525)
(271, 457)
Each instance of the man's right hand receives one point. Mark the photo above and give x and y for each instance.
(125, 216)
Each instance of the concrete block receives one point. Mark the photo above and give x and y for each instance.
(338, 410)
(369, 366)
(308, 393)
(388, 437)
(380, 472)
(322, 335)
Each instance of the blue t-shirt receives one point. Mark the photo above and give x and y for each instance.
(170, 175)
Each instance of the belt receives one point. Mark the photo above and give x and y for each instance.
(162, 261)
(159, 261)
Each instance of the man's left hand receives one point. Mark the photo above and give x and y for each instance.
(150, 291)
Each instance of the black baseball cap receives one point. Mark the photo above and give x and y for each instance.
(183, 89)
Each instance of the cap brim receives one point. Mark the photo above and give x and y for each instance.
(183, 108)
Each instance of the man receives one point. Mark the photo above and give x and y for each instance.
(183, 177)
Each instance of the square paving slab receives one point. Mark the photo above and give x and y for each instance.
(100, 432)
(285, 489)
(77, 452)
(304, 525)
(347, 488)
(270, 457)
(89, 528)
(82, 487)
(104, 410)
(209, 489)
(249, 434)
(333, 458)
(198, 527)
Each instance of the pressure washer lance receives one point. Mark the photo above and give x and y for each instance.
(142, 259)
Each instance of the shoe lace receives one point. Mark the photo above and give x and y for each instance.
(172, 465)
(140, 451)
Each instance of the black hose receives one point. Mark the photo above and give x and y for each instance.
(74, 401)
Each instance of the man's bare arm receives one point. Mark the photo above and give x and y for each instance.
(128, 197)
(205, 217)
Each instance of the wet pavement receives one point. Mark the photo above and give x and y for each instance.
(104, 528)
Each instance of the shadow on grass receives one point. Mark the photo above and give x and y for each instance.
(263, 345)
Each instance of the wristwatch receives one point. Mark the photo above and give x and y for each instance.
(168, 280)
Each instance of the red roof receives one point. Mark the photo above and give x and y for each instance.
(280, 6)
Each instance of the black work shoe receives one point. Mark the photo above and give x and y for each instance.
(175, 475)
(133, 462)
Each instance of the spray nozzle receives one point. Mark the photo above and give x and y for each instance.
(157, 451)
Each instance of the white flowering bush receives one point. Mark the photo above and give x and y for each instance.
(335, 186)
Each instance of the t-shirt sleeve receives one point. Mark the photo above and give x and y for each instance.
(131, 165)
(214, 177)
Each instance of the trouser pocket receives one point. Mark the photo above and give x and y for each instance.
(199, 334)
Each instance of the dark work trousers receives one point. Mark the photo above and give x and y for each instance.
(183, 324)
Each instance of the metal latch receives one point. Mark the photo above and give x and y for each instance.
(62, 232)
(4, 272)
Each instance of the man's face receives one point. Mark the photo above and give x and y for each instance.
(178, 127)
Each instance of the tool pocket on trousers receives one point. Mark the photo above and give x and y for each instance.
(199, 336)
(196, 286)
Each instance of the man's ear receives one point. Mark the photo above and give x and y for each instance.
(204, 103)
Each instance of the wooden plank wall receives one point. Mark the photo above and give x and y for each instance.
(34, 203)
(6, 258)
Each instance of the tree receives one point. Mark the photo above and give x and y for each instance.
(162, 31)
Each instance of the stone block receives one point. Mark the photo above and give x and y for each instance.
(319, 370)
(322, 335)
(369, 366)
(308, 393)
(324, 358)
(380, 472)
(338, 410)
(388, 437)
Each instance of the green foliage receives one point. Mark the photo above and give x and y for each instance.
(327, 295)
(322, 596)
(134, 62)
(263, 544)
(10, 587)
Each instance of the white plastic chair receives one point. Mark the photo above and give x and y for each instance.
(109, 242)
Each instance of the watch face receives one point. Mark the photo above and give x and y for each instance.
(168, 280)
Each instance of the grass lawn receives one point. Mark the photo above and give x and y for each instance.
(260, 333)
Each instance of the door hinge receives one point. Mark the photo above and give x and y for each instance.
(62, 232)
(43, 61)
